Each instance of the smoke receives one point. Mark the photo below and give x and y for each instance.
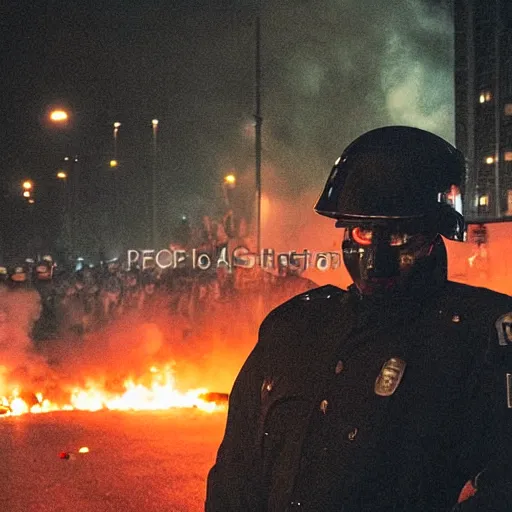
(333, 73)
(329, 75)
(205, 350)
(417, 72)
(19, 362)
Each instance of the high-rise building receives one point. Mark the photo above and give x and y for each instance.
(483, 104)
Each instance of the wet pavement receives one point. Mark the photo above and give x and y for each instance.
(137, 461)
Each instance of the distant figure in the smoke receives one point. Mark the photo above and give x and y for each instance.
(90, 294)
(229, 224)
(396, 394)
(23, 301)
(183, 233)
(148, 296)
(20, 308)
(111, 291)
(479, 260)
(132, 291)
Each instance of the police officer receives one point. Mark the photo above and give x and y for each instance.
(396, 394)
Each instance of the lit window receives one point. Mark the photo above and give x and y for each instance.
(485, 96)
(489, 160)
(508, 156)
(508, 109)
(483, 200)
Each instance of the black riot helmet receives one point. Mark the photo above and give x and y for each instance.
(394, 189)
(396, 173)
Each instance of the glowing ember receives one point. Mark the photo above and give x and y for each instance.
(155, 391)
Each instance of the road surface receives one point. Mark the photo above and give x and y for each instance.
(137, 461)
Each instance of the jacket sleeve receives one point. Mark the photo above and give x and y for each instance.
(494, 483)
(232, 481)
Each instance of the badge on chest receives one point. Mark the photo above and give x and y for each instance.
(390, 376)
(504, 328)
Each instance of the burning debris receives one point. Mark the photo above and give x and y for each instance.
(174, 359)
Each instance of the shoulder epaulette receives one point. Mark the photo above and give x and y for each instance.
(323, 292)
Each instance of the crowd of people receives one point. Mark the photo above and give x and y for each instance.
(74, 302)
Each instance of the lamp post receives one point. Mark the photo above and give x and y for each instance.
(117, 124)
(154, 203)
(27, 187)
(228, 184)
(258, 121)
(114, 163)
(68, 175)
(66, 200)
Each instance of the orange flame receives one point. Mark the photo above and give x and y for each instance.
(158, 394)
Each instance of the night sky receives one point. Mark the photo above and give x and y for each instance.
(331, 69)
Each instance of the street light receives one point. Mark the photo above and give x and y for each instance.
(27, 185)
(230, 179)
(62, 175)
(154, 220)
(59, 116)
(258, 122)
(26, 193)
(227, 185)
(117, 124)
(113, 163)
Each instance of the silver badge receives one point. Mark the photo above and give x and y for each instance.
(504, 328)
(389, 377)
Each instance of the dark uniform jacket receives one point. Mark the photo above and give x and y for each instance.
(308, 430)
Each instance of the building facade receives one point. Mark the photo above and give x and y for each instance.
(483, 104)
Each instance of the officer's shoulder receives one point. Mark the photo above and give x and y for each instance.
(300, 309)
(315, 296)
(321, 297)
(482, 300)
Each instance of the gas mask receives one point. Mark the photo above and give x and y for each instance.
(390, 260)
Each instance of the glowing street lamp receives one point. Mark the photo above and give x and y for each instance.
(228, 184)
(113, 163)
(58, 116)
(27, 185)
(230, 179)
(31, 201)
(62, 175)
(117, 124)
(154, 188)
(26, 193)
